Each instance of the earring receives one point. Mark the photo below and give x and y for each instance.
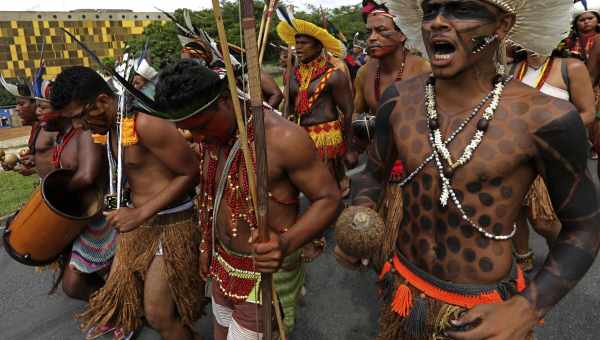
(482, 42)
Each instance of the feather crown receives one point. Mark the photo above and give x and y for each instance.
(540, 24)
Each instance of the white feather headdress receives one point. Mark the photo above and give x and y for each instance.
(590, 6)
(540, 24)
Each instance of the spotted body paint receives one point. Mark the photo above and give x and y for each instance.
(530, 134)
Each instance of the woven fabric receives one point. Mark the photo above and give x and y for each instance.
(94, 249)
(328, 139)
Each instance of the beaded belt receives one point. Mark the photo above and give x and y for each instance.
(235, 275)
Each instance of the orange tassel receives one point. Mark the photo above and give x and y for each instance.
(386, 269)
(402, 301)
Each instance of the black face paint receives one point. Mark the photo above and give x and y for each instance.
(457, 10)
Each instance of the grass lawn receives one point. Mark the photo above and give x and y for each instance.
(15, 190)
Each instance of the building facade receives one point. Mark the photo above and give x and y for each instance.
(22, 35)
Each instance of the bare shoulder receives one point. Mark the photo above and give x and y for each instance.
(535, 108)
(284, 137)
(420, 64)
(575, 66)
(146, 124)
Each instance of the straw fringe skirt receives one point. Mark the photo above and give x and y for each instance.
(121, 302)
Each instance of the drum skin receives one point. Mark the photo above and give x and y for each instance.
(50, 221)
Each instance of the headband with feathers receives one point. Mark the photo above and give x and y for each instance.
(540, 24)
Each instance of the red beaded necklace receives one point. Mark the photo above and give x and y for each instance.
(237, 189)
(399, 76)
(61, 143)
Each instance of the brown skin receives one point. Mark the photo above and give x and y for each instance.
(337, 94)
(44, 145)
(386, 45)
(270, 90)
(138, 82)
(26, 110)
(87, 159)
(530, 134)
(587, 23)
(290, 173)
(582, 97)
(161, 169)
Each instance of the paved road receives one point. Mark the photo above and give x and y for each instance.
(339, 305)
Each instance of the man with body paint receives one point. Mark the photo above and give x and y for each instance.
(472, 141)
(389, 61)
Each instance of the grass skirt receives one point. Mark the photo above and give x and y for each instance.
(120, 302)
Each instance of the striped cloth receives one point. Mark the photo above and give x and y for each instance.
(94, 249)
(288, 285)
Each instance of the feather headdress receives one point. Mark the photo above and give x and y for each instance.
(288, 33)
(540, 24)
(581, 7)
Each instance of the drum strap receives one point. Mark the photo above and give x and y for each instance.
(221, 188)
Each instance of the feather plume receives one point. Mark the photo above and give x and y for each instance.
(11, 88)
(144, 101)
(284, 15)
(540, 24)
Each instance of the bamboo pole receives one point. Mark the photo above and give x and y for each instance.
(265, 37)
(256, 106)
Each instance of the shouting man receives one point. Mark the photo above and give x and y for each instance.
(153, 273)
(234, 259)
(472, 141)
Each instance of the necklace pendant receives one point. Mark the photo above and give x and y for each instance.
(445, 195)
(449, 170)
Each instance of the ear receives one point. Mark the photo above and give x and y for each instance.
(402, 37)
(104, 101)
(505, 24)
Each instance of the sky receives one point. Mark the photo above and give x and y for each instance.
(137, 5)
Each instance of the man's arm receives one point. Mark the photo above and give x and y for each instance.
(90, 162)
(563, 151)
(166, 143)
(581, 91)
(270, 90)
(309, 174)
(342, 98)
(369, 184)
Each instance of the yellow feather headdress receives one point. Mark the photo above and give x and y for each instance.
(288, 34)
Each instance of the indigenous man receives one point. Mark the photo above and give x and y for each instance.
(567, 79)
(320, 99)
(197, 96)
(25, 108)
(44, 143)
(389, 61)
(152, 274)
(93, 250)
(472, 142)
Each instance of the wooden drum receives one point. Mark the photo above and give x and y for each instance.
(51, 220)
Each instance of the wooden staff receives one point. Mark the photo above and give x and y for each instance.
(265, 36)
(235, 100)
(260, 146)
(262, 24)
(287, 80)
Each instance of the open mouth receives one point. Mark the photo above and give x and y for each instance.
(443, 50)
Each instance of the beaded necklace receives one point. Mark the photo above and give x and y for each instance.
(441, 152)
(305, 75)
(237, 189)
(399, 76)
(61, 143)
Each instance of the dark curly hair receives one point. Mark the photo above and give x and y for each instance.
(187, 85)
(77, 84)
